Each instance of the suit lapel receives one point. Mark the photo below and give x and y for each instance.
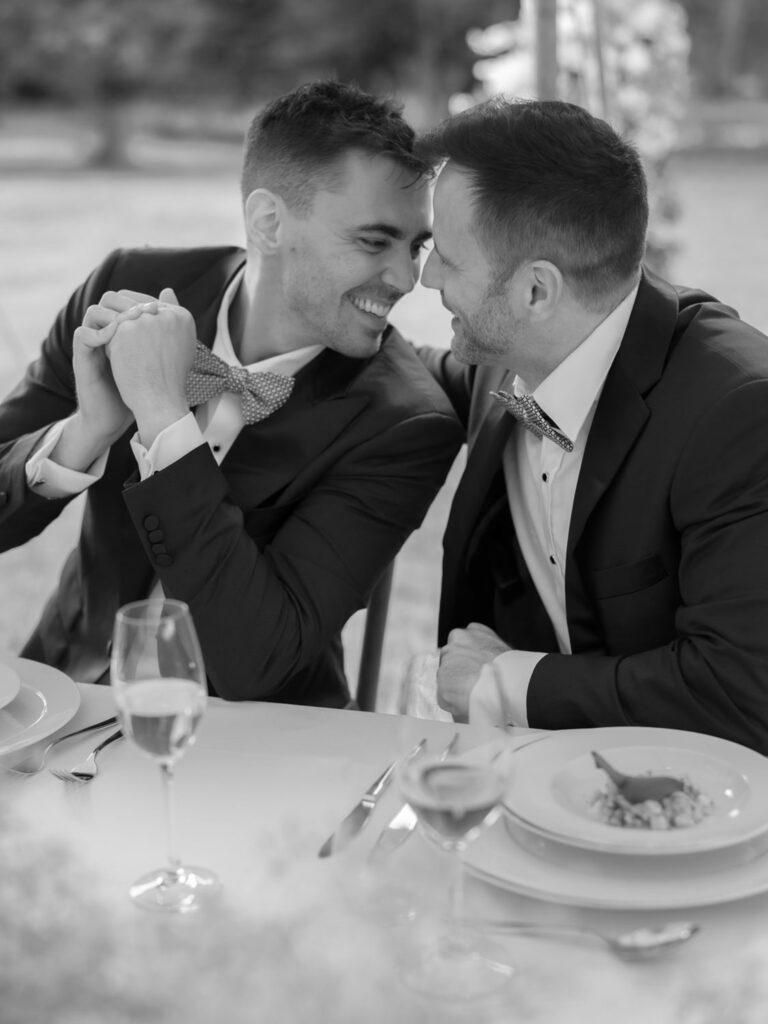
(290, 441)
(621, 410)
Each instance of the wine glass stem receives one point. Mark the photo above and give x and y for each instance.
(457, 887)
(174, 864)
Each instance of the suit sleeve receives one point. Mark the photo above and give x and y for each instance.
(44, 396)
(454, 378)
(713, 676)
(264, 611)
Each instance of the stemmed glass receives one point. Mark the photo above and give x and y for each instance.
(161, 692)
(455, 799)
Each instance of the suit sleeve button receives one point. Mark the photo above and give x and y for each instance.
(3, 498)
(155, 536)
(159, 549)
(151, 523)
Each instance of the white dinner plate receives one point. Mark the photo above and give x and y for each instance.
(47, 700)
(555, 780)
(9, 682)
(610, 883)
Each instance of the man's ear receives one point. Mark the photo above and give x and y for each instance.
(543, 287)
(263, 218)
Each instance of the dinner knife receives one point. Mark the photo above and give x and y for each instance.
(349, 827)
(404, 821)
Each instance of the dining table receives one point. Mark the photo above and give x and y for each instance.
(294, 937)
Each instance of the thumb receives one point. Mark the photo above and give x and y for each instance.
(169, 295)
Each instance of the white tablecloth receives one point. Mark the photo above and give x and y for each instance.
(255, 797)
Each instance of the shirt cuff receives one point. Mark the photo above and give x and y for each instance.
(170, 445)
(50, 480)
(500, 695)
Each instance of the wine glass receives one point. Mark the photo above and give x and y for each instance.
(455, 799)
(161, 692)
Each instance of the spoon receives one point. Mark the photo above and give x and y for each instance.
(638, 944)
(637, 788)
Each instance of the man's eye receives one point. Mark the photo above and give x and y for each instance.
(374, 244)
(417, 249)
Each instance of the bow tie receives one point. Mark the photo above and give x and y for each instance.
(527, 410)
(261, 394)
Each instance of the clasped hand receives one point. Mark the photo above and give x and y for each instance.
(461, 662)
(131, 359)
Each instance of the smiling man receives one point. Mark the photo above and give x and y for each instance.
(606, 554)
(271, 504)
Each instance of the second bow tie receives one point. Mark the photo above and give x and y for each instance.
(526, 409)
(261, 394)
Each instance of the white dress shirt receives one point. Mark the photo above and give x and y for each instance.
(216, 423)
(541, 480)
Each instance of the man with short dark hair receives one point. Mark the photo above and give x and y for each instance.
(606, 555)
(275, 504)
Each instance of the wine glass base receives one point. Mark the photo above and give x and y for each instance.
(459, 967)
(175, 892)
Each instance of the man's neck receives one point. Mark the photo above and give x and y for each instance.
(257, 327)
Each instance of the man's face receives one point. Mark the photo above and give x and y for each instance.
(484, 322)
(354, 255)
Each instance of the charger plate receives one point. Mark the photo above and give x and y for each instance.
(47, 700)
(555, 780)
(10, 684)
(599, 881)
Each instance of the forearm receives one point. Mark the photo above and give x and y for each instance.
(271, 589)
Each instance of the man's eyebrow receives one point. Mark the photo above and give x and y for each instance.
(393, 232)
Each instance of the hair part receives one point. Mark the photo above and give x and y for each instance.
(550, 181)
(296, 144)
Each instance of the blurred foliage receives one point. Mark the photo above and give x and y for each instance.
(729, 41)
(244, 49)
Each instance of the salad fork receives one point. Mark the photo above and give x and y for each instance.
(87, 769)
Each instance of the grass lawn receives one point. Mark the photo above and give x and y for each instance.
(57, 224)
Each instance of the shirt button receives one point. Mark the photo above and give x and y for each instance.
(552, 560)
(217, 447)
(544, 477)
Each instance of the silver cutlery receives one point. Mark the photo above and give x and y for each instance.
(33, 765)
(637, 788)
(404, 821)
(87, 769)
(349, 827)
(638, 944)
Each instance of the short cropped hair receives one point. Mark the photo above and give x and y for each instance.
(550, 181)
(294, 145)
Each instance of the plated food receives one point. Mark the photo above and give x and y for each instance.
(686, 807)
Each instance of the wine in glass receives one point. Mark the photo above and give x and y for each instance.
(161, 692)
(455, 799)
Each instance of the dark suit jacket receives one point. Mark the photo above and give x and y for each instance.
(667, 558)
(275, 549)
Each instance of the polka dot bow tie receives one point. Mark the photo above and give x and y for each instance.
(526, 409)
(261, 394)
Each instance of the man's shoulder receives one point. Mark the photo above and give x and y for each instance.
(137, 268)
(399, 378)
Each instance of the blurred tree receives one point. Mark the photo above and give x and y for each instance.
(729, 39)
(103, 54)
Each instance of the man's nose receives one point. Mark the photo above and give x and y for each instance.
(401, 271)
(430, 275)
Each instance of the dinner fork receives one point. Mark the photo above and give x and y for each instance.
(34, 765)
(87, 769)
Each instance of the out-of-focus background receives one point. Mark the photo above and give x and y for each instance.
(121, 125)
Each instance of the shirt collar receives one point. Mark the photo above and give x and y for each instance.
(286, 363)
(569, 392)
